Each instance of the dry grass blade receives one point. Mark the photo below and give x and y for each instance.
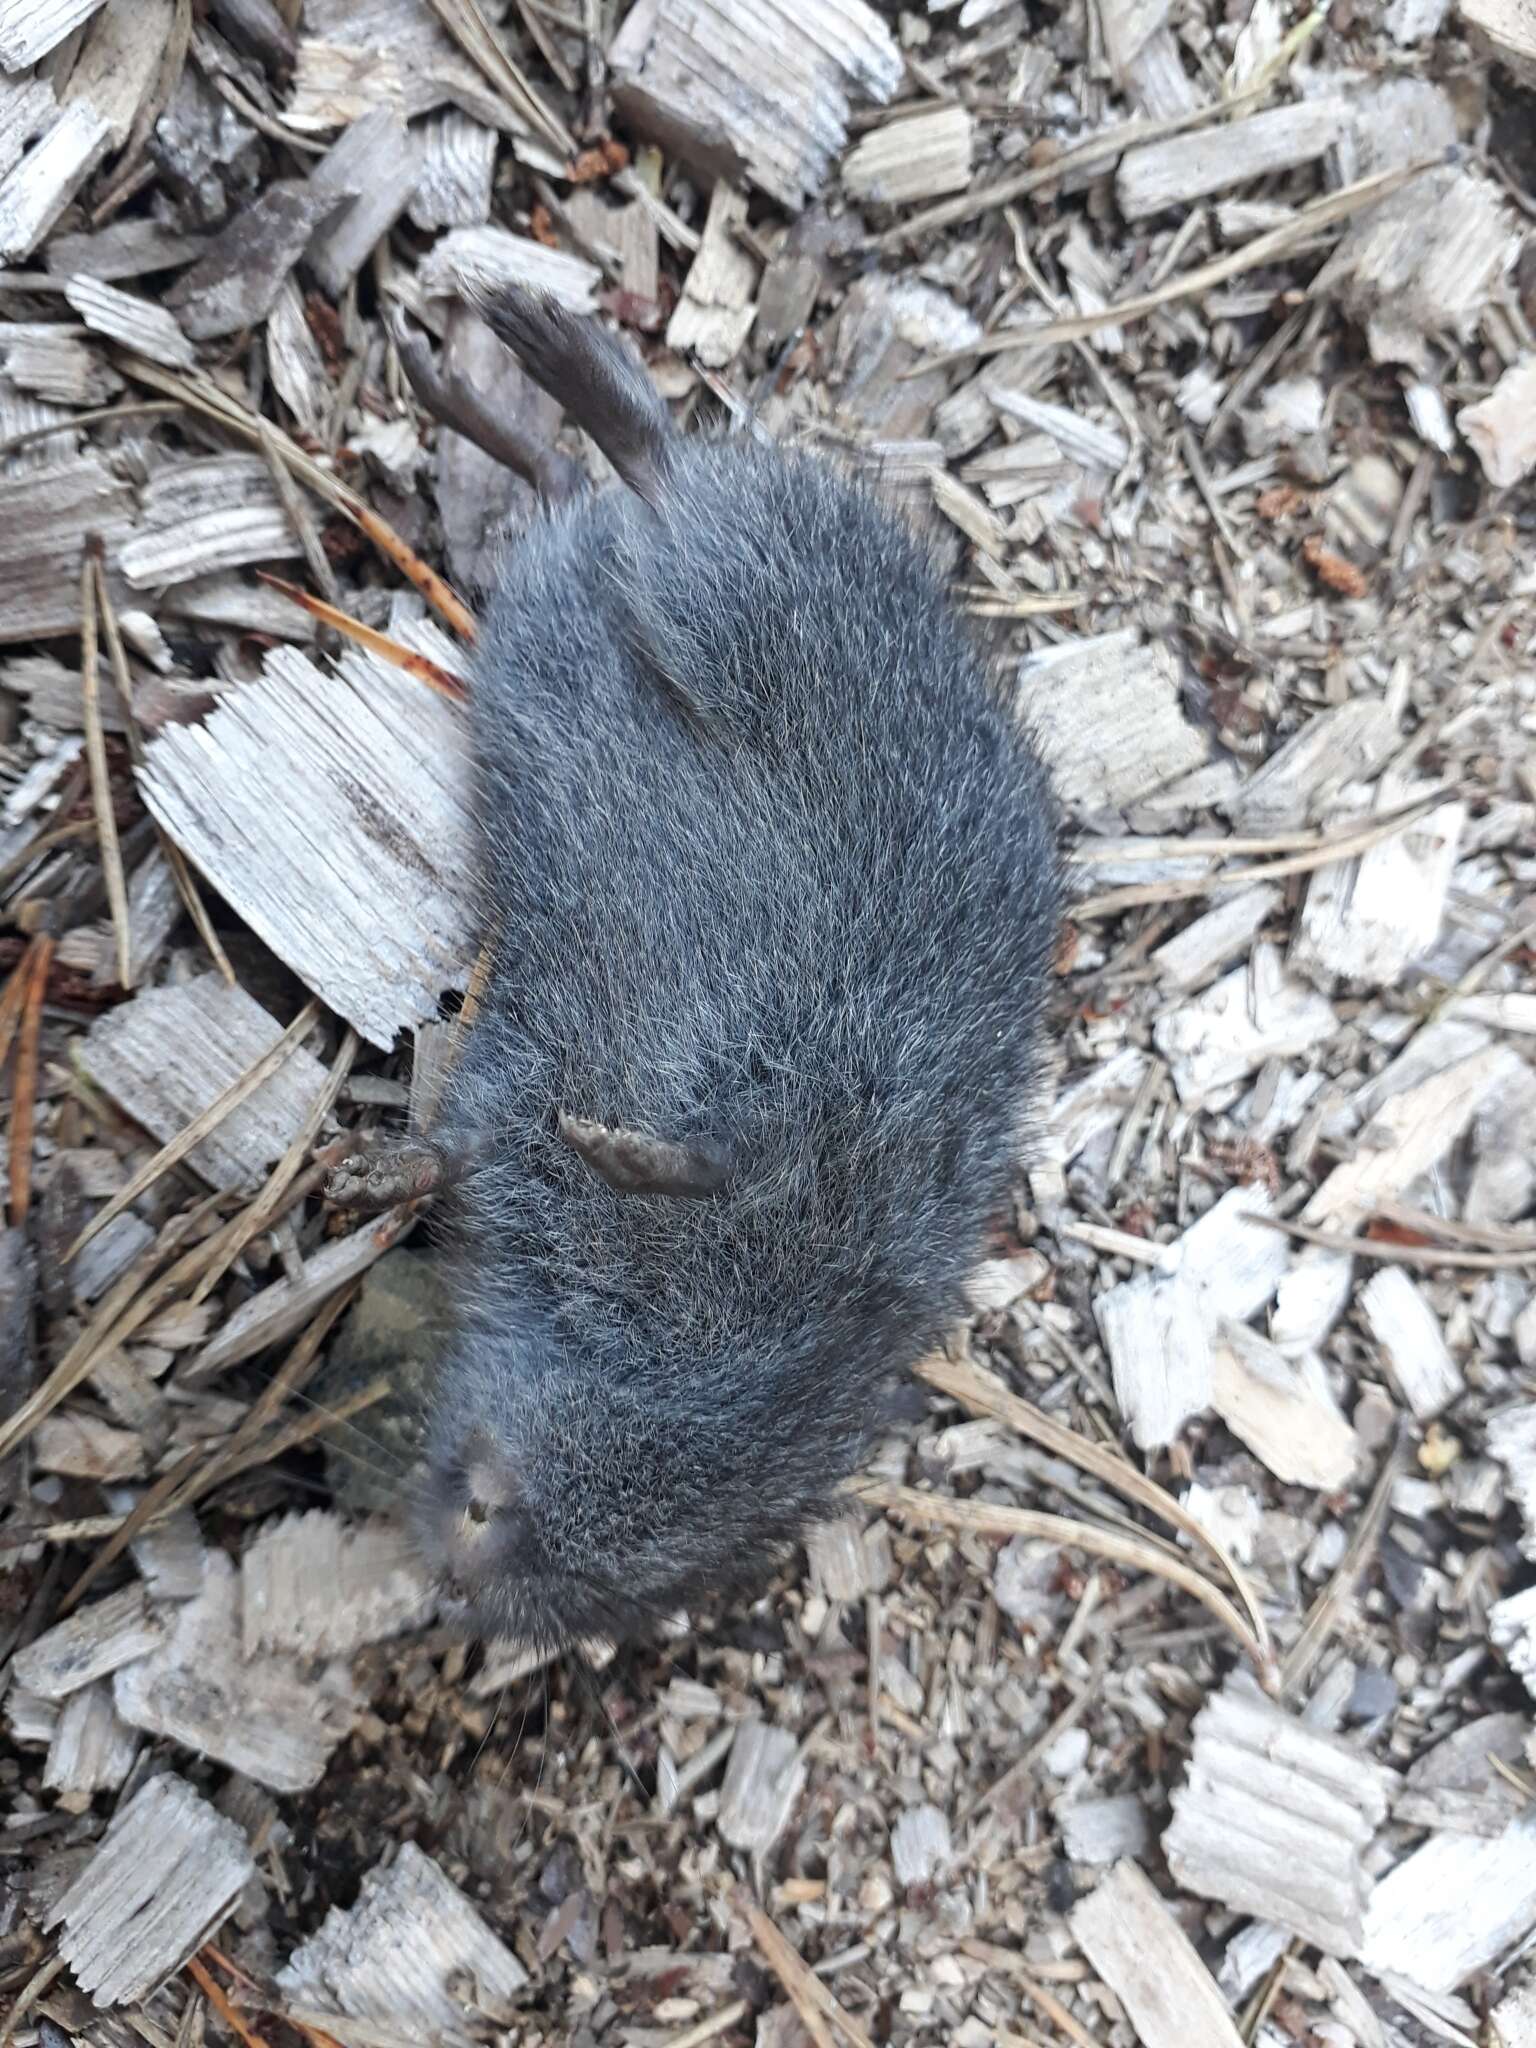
(266, 1205)
(186, 881)
(119, 1312)
(984, 1395)
(187, 1140)
(1310, 220)
(201, 1469)
(24, 1081)
(1140, 1553)
(200, 395)
(819, 2011)
(1046, 2003)
(1392, 1253)
(96, 758)
(1320, 855)
(432, 673)
(13, 1000)
(475, 37)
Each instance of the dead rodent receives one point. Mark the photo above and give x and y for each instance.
(771, 875)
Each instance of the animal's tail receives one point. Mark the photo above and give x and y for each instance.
(592, 375)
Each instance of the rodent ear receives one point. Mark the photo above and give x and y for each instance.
(636, 1163)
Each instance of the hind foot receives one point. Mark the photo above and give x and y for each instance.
(390, 1174)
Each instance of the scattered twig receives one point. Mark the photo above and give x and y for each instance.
(1392, 1253)
(1327, 1609)
(819, 2011)
(101, 783)
(24, 1081)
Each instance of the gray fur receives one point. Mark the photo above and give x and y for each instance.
(770, 868)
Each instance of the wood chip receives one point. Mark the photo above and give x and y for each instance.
(1155, 1331)
(47, 511)
(373, 171)
(90, 1644)
(917, 157)
(1368, 920)
(92, 1750)
(1511, 1438)
(37, 190)
(162, 1880)
(1255, 1013)
(1506, 30)
(147, 330)
(412, 1953)
(1409, 1334)
(29, 29)
(458, 163)
(1451, 1907)
(763, 1783)
(1274, 1818)
(200, 517)
(123, 54)
(220, 1033)
(1501, 428)
(1207, 943)
(1140, 1951)
(759, 87)
(467, 257)
(1184, 168)
(273, 1719)
(373, 768)
(314, 1587)
(715, 313)
(235, 283)
(921, 1848)
(1108, 714)
(1280, 1405)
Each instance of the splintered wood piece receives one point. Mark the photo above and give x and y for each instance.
(365, 764)
(38, 188)
(46, 512)
(763, 1783)
(274, 1720)
(91, 1751)
(199, 517)
(916, 157)
(221, 1037)
(412, 1954)
(1370, 919)
(371, 173)
(1506, 30)
(1451, 1907)
(164, 1876)
(1412, 1342)
(715, 313)
(1209, 942)
(1163, 175)
(458, 163)
(1283, 1409)
(1501, 428)
(90, 1644)
(1138, 1948)
(123, 317)
(1155, 1331)
(1274, 1818)
(1255, 1013)
(467, 259)
(29, 29)
(312, 1586)
(1108, 714)
(759, 87)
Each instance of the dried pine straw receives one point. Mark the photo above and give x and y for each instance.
(101, 785)
(819, 2011)
(24, 1080)
(425, 670)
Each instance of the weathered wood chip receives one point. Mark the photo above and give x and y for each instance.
(1280, 1405)
(1501, 428)
(1511, 1438)
(274, 1720)
(1183, 168)
(313, 1586)
(166, 1873)
(1135, 1945)
(763, 1783)
(29, 29)
(201, 517)
(236, 282)
(921, 1848)
(412, 1953)
(370, 768)
(1108, 714)
(918, 157)
(1255, 1013)
(91, 1751)
(754, 86)
(458, 163)
(89, 1644)
(1412, 1342)
(218, 1033)
(121, 316)
(1451, 1907)
(372, 172)
(715, 312)
(38, 188)
(46, 512)
(1274, 1818)
(1156, 1332)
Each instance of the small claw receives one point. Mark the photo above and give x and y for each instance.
(380, 1180)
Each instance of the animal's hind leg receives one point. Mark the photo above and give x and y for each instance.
(593, 376)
